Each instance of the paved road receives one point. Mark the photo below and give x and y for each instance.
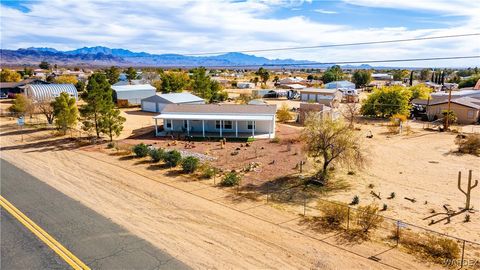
(94, 239)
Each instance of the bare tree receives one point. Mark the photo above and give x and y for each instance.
(350, 113)
(45, 107)
(329, 142)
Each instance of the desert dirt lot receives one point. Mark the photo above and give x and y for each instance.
(201, 225)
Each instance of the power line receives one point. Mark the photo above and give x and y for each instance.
(337, 45)
(347, 62)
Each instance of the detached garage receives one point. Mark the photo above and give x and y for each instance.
(133, 93)
(156, 102)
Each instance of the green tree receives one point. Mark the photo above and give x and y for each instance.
(329, 142)
(99, 101)
(362, 77)
(420, 91)
(469, 82)
(205, 88)
(44, 65)
(174, 81)
(333, 73)
(21, 105)
(387, 101)
(276, 79)
(80, 85)
(400, 74)
(131, 74)
(425, 74)
(7, 75)
(65, 112)
(113, 74)
(263, 74)
(111, 123)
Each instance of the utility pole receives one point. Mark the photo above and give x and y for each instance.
(447, 119)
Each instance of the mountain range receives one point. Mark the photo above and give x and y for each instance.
(103, 56)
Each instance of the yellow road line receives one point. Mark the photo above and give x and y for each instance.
(65, 254)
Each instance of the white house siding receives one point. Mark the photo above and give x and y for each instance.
(261, 127)
(149, 106)
(135, 96)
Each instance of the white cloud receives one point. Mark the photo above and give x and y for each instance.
(324, 11)
(184, 26)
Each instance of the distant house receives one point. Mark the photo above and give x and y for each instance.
(132, 82)
(294, 86)
(133, 94)
(217, 120)
(324, 111)
(382, 77)
(40, 92)
(291, 80)
(329, 97)
(340, 85)
(245, 85)
(467, 109)
(157, 102)
(18, 87)
(457, 94)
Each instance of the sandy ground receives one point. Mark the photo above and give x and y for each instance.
(180, 217)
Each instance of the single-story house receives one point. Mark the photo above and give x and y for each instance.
(217, 120)
(340, 85)
(156, 102)
(457, 94)
(293, 86)
(133, 93)
(324, 111)
(329, 97)
(467, 109)
(291, 80)
(382, 77)
(39, 92)
(18, 87)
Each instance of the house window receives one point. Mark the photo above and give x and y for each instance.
(168, 124)
(227, 124)
(470, 114)
(185, 123)
(217, 124)
(251, 125)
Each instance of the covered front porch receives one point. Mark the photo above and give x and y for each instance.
(231, 126)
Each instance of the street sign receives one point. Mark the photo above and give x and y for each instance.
(20, 121)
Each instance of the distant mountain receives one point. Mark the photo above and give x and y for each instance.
(102, 56)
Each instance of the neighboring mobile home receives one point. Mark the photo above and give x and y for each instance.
(217, 120)
(467, 109)
(157, 102)
(133, 93)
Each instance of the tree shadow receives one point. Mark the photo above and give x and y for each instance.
(46, 146)
(24, 131)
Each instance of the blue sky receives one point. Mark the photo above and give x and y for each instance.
(191, 26)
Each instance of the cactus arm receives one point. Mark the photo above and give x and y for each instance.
(460, 182)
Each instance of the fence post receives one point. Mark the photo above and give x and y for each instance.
(348, 218)
(463, 254)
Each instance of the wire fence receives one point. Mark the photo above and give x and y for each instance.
(357, 225)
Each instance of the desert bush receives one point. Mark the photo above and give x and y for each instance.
(140, 150)
(283, 114)
(207, 171)
(231, 179)
(429, 246)
(395, 121)
(172, 158)
(156, 154)
(334, 214)
(111, 145)
(469, 144)
(190, 164)
(275, 140)
(368, 218)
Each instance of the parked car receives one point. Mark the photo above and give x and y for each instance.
(271, 94)
(3, 96)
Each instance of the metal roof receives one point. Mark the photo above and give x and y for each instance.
(133, 87)
(340, 84)
(319, 91)
(50, 91)
(219, 109)
(175, 98)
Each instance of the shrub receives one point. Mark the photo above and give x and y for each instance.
(275, 140)
(190, 164)
(207, 171)
(140, 150)
(469, 144)
(395, 120)
(283, 114)
(156, 154)
(384, 207)
(230, 179)
(172, 158)
(434, 247)
(111, 145)
(334, 214)
(467, 218)
(355, 200)
(368, 217)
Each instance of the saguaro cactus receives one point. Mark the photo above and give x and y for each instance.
(469, 187)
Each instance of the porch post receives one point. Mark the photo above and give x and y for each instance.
(203, 128)
(156, 127)
(253, 128)
(271, 128)
(236, 128)
(188, 127)
(171, 126)
(221, 124)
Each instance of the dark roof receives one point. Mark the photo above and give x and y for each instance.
(21, 83)
(220, 109)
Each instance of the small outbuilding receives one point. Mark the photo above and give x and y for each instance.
(39, 92)
(157, 102)
(133, 94)
(329, 97)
